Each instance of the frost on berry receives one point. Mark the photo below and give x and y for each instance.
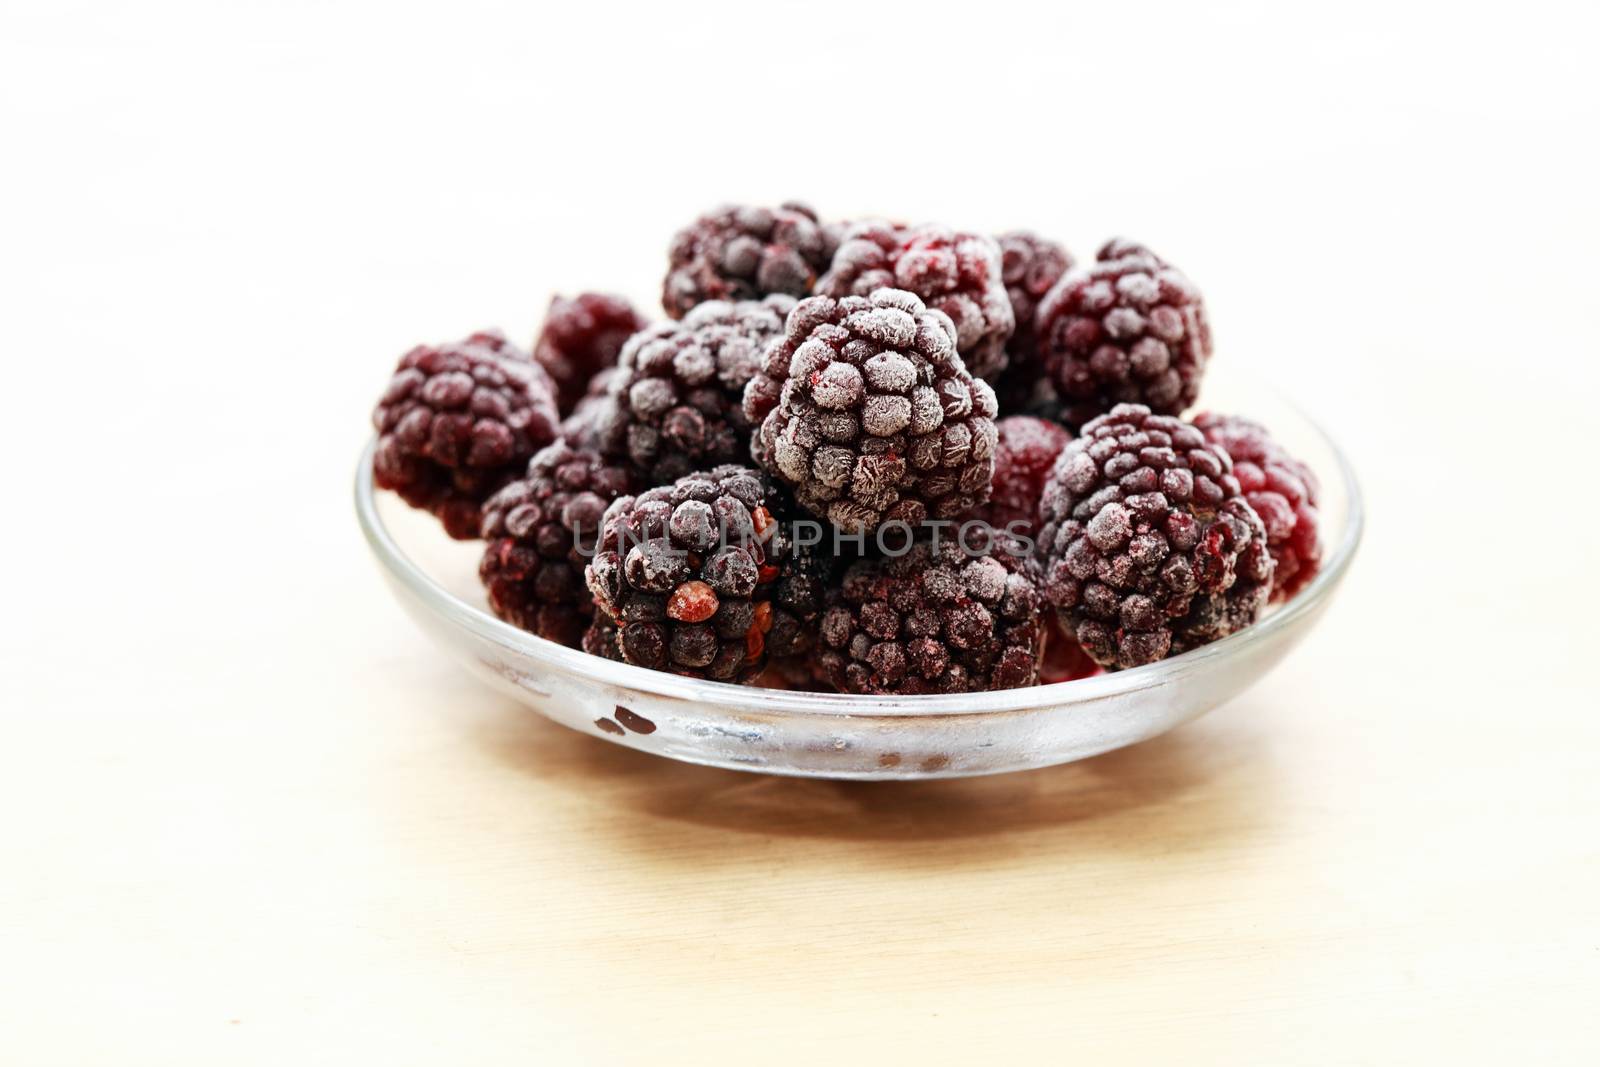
(581, 337)
(867, 413)
(675, 403)
(1025, 453)
(933, 620)
(1030, 266)
(745, 253)
(956, 273)
(1282, 490)
(1150, 547)
(541, 530)
(458, 421)
(1130, 328)
(697, 576)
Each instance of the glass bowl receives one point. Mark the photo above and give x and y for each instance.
(830, 735)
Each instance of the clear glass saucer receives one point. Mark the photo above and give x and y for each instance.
(831, 735)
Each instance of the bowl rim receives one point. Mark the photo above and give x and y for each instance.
(729, 695)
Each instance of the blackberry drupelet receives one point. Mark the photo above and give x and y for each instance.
(1150, 548)
(956, 273)
(934, 620)
(600, 639)
(1128, 329)
(676, 401)
(690, 573)
(457, 422)
(582, 336)
(867, 413)
(745, 253)
(541, 530)
(1281, 489)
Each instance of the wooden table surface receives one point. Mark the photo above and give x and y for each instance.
(322, 839)
(252, 816)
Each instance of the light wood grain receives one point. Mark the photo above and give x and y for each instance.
(373, 856)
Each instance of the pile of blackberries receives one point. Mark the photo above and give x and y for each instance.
(859, 456)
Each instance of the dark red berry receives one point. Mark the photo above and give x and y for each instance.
(868, 415)
(581, 428)
(956, 273)
(934, 620)
(681, 573)
(1281, 489)
(1128, 329)
(1025, 454)
(581, 337)
(675, 403)
(1150, 546)
(541, 531)
(1030, 267)
(457, 422)
(745, 253)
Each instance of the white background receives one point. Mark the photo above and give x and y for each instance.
(223, 222)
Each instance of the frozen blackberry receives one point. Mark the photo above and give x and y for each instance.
(457, 422)
(689, 573)
(581, 337)
(867, 413)
(1281, 489)
(934, 620)
(956, 273)
(1130, 328)
(541, 530)
(676, 402)
(745, 253)
(1030, 267)
(1150, 547)
(1024, 454)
